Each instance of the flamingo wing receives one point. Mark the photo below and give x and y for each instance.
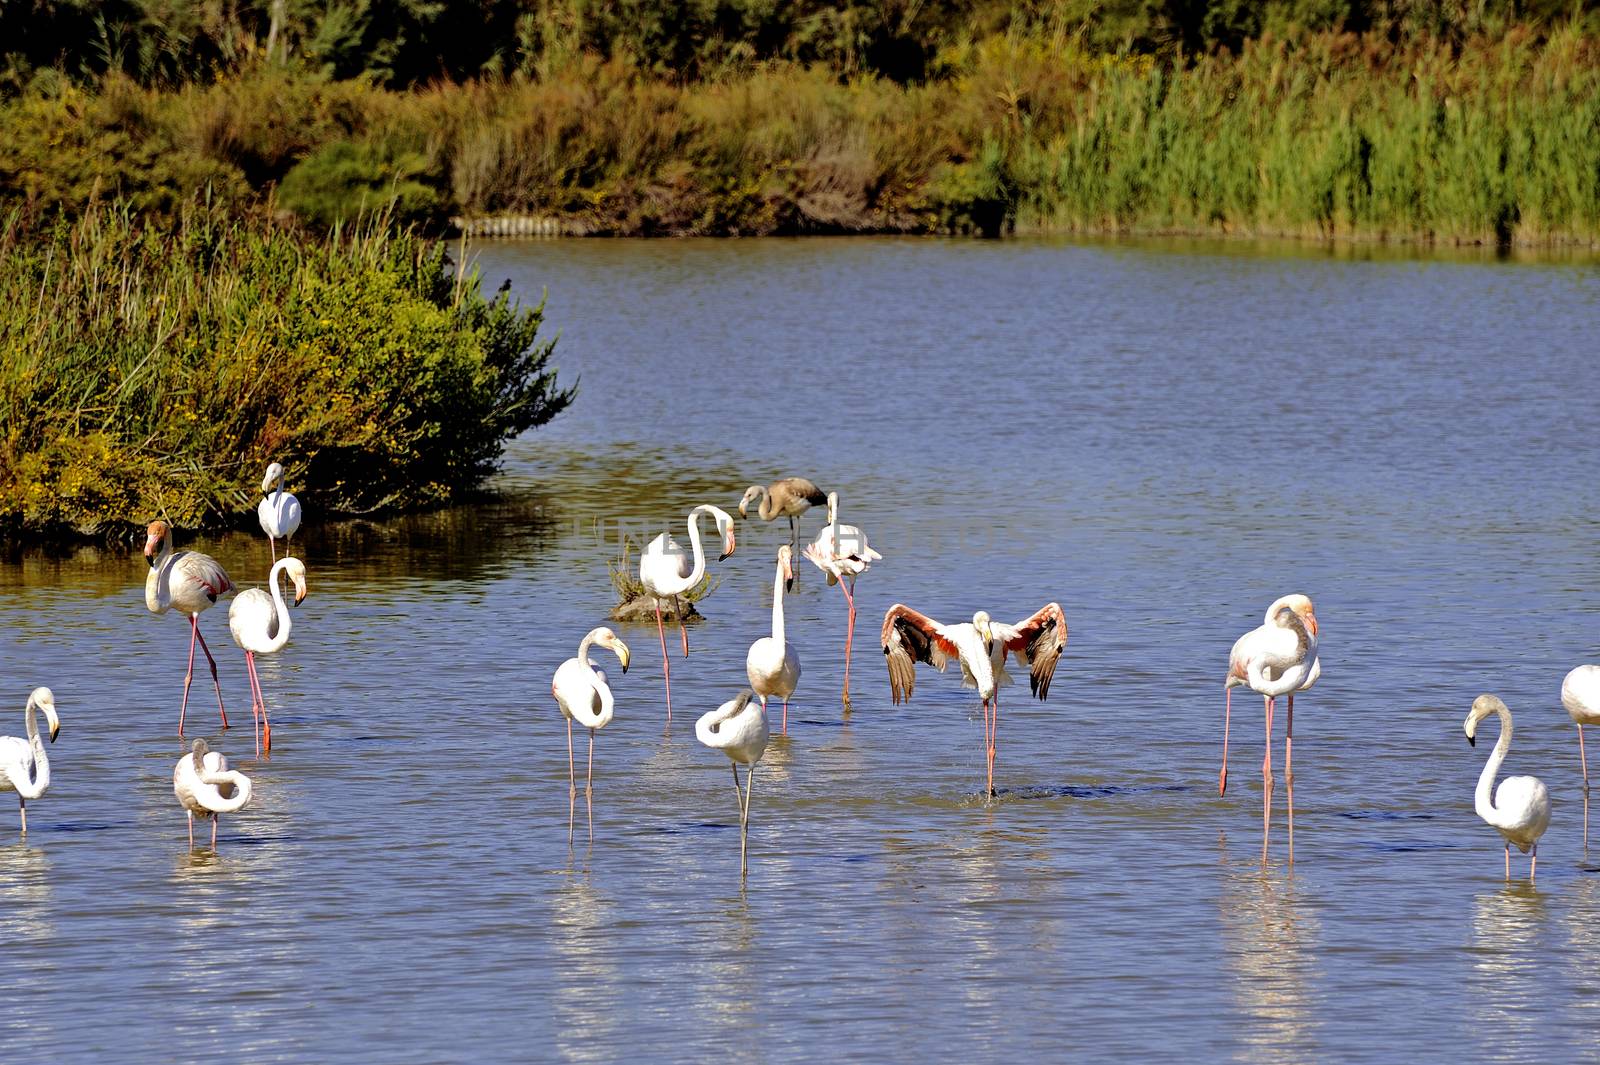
(1037, 641)
(203, 572)
(910, 637)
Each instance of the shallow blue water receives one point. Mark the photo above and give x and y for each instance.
(1162, 437)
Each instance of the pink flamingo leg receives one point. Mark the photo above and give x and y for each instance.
(191, 830)
(666, 669)
(1227, 714)
(1288, 772)
(1508, 860)
(785, 715)
(588, 787)
(994, 741)
(255, 701)
(682, 632)
(849, 633)
(195, 618)
(215, 820)
(1584, 761)
(273, 543)
(1266, 783)
(1533, 866)
(264, 740)
(188, 676)
(572, 784)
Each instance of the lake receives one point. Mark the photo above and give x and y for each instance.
(1162, 436)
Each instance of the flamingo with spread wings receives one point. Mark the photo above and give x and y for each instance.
(980, 646)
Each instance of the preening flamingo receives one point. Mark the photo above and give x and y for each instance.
(26, 768)
(191, 583)
(787, 498)
(841, 552)
(206, 786)
(980, 646)
(260, 625)
(1274, 659)
(582, 693)
(1520, 807)
(664, 571)
(737, 728)
(279, 512)
(772, 664)
(1580, 694)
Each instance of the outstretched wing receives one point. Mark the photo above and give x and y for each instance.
(1037, 642)
(910, 637)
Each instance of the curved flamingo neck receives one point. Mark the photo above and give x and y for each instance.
(699, 569)
(766, 507)
(607, 703)
(280, 608)
(777, 605)
(1483, 798)
(41, 761)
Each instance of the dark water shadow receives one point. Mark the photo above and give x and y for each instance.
(1090, 791)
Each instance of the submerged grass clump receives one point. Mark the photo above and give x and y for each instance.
(155, 370)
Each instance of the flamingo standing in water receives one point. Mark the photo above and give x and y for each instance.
(192, 583)
(787, 498)
(1274, 659)
(279, 512)
(772, 664)
(664, 571)
(25, 768)
(737, 728)
(1580, 694)
(841, 552)
(1520, 807)
(980, 646)
(260, 625)
(206, 786)
(581, 693)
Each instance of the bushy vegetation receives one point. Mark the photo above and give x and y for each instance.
(156, 370)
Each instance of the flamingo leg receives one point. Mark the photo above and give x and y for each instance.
(572, 784)
(994, 741)
(785, 728)
(1533, 865)
(22, 808)
(1227, 714)
(683, 633)
(188, 676)
(666, 669)
(191, 830)
(738, 799)
(1583, 760)
(1266, 784)
(588, 787)
(744, 819)
(794, 533)
(1508, 859)
(195, 619)
(1288, 772)
(257, 703)
(272, 542)
(266, 722)
(849, 633)
(215, 820)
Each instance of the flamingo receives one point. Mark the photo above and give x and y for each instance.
(665, 572)
(1274, 659)
(786, 498)
(191, 582)
(1580, 694)
(581, 692)
(206, 786)
(1520, 807)
(980, 646)
(279, 512)
(737, 728)
(26, 768)
(260, 624)
(772, 664)
(841, 552)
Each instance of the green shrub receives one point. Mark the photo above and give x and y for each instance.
(157, 371)
(347, 180)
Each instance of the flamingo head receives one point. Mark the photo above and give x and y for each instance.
(786, 563)
(275, 473)
(985, 627)
(45, 700)
(833, 507)
(1482, 707)
(198, 752)
(725, 527)
(297, 573)
(604, 637)
(1301, 605)
(155, 533)
(752, 494)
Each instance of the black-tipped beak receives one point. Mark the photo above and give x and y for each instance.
(788, 585)
(724, 555)
(624, 667)
(989, 647)
(148, 557)
(54, 732)
(1472, 741)
(299, 598)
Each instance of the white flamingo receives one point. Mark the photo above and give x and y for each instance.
(772, 664)
(191, 583)
(1274, 659)
(786, 498)
(665, 572)
(582, 694)
(737, 728)
(279, 512)
(26, 768)
(841, 552)
(260, 624)
(1519, 809)
(980, 646)
(1580, 694)
(206, 786)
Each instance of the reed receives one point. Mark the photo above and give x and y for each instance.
(155, 370)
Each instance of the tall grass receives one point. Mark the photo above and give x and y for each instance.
(1327, 135)
(155, 371)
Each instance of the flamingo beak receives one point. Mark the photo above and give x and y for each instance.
(299, 595)
(1311, 622)
(55, 730)
(728, 546)
(624, 655)
(1472, 741)
(151, 542)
